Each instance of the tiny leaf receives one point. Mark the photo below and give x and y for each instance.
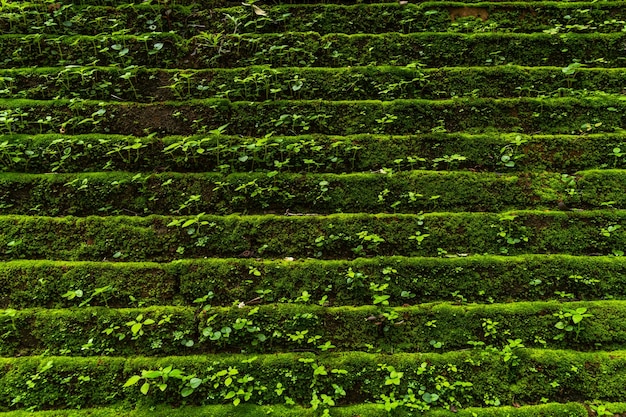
(145, 388)
(258, 11)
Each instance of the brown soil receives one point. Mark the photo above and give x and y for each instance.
(460, 12)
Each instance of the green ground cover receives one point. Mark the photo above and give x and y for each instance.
(303, 208)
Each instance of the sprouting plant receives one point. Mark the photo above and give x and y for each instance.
(570, 71)
(419, 237)
(617, 153)
(394, 376)
(355, 279)
(563, 294)
(452, 161)
(508, 351)
(101, 291)
(584, 280)
(191, 147)
(127, 76)
(71, 294)
(7, 120)
(601, 410)
(158, 378)
(440, 127)
(193, 226)
(460, 298)
(387, 119)
(326, 346)
(570, 182)
(296, 122)
(38, 376)
(304, 298)
(378, 296)
(370, 240)
(192, 200)
(126, 150)
(606, 231)
(8, 314)
(509, 233)
(570, 321)
(11, 154)
(137, 325)
(490, 327)
(203, 301)
(232, 385)
(510, 153)
(323, 188)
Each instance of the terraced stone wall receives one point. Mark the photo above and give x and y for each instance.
(308, 209)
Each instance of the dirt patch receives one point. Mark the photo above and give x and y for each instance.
(460, 12)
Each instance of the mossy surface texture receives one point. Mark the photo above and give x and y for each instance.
(312, 208)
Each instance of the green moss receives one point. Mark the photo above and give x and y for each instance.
(355, 153)
(276, 328)
(567, 116)
(478, 279)
(415, 191)
(334, 236)
(304, 49)
(362, 381)
(321, 18)
(258, 83)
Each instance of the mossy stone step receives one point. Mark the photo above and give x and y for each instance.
(470, 376)
(289, 327)
(147, 85)
(519, 17)
(452, 278)
(296, 117)
(165, 50)
(223, 153)
(404, 192)
(340, 236)
(277, 193)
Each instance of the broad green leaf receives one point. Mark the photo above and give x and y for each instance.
(188, 223)
(132, 381)
(145, 388)
(176, 373)
(320, 370)
(151, 374)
